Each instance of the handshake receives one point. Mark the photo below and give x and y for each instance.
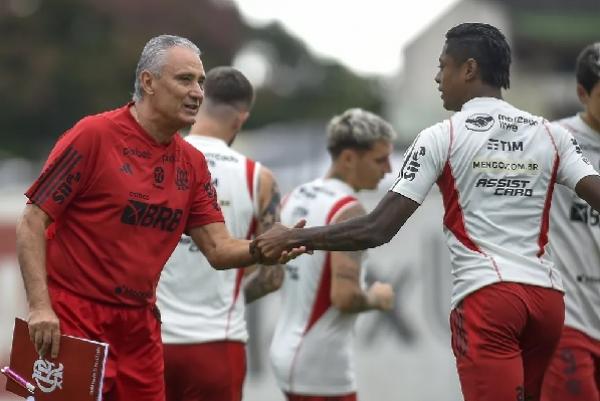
(278, 245)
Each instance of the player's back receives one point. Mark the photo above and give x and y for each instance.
(311, 349)
(496, 167)
(575, 240)
(503, 162)
(199, 303)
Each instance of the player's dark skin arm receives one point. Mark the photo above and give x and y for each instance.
(369, 231)
(43, 323)
(588, 189)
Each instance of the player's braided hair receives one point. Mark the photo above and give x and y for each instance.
(587, 69)
(487, 46)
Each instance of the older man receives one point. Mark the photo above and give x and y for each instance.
(118, 190)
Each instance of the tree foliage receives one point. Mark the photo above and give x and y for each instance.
(70, 58)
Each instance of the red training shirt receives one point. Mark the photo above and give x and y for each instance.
(119, 201)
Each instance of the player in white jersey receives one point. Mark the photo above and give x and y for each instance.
(574, 374)
(311, 352)
(203, 325)
(496, 167)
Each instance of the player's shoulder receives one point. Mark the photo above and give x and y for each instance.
(188, 151)
(90, 128)
(572, 124)
(102, 119)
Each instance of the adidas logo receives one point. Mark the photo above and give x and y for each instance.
(126, 168)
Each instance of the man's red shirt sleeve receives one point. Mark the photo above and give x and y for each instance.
(66, 171)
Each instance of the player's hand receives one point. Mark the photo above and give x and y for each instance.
(274, 246)
(381, 295)
(44, 330)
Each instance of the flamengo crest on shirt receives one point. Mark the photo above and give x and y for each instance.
(47, 375)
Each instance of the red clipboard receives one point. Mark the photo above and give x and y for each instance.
(75, 375)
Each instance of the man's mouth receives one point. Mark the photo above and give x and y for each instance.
(191, 107)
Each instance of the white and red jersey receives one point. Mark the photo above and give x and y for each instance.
(496, 167)
(575, 240)
(311, 351)
(198, 303)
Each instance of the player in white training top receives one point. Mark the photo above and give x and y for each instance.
(203, 325)
(574, 374)
(312, 349)
(496, 167)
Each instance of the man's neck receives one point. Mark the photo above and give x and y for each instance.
(591, 121)
(152, 123)
(484, 91)
(339, 175)
(207, 127)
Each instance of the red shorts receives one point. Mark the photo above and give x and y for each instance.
(213, 371)
(574, 374)
(297, 397)
(503, 338)
(134, 368)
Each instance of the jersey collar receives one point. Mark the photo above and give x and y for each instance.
(479, 101)
(195, 138)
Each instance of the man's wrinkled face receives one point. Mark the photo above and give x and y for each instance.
(178, 90)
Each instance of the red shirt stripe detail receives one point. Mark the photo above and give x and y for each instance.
(545, 225)
(453, 216)
(55, 175)
(250, 166)
(323, 297)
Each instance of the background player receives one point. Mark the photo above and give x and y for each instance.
(204, 329)
(312, 350)
(496, 167)
(574, 373)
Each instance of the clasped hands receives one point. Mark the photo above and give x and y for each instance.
(277, 245)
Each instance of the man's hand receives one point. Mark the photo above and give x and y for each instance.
(274, 246)
(44, 330)
(381, 295)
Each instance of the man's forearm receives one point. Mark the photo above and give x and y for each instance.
(233, 253)
(263, 281)
(351, 235)
(31, 251)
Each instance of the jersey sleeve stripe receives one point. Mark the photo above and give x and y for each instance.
(545, 223)
(55, 175)
(47, 173)
(338, 206)
(323, 300)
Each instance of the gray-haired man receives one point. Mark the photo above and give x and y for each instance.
(118, 190)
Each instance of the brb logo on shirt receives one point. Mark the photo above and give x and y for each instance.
(143, 214)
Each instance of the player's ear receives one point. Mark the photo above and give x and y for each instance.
(582, 94)
(147, 82)
(348, 157)
(470, 69)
